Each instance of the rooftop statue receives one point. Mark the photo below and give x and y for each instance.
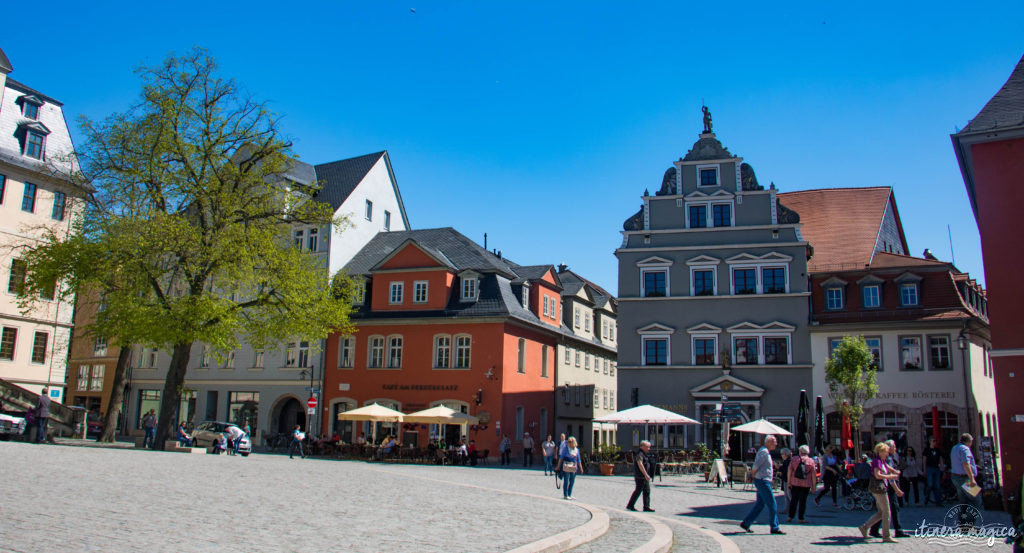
(707, 119)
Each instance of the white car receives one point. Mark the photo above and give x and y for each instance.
(206, 433)
(11, 426)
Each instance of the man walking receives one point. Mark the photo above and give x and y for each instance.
(933, 472)
(527, 450)
(505, 448)
(42, 415)
(763, 473)
(965, 471)
(642, 470)
(149, 426)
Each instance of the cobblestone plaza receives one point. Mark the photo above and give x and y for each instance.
(59, 498)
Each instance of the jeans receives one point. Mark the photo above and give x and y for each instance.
(765, 498)
(830, 484)
(150, 437)
(934, 487)
(568, 479)
(548, 464)
(41, 429)
(643, 486)
(527, 458)
(506, 457)
(798, 504)
(881, 516)
(291, 450)
(915, 484)
(966, 516)
(238, 442)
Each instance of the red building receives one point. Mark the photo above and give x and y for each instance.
(990, 150)
(443, 321)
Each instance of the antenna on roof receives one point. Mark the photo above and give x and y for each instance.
(485, 241)
(951, 254)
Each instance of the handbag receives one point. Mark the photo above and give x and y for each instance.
(568, 466)
(877, 486)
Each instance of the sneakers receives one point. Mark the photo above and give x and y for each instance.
(746, 528)
(648, 510)
(901, 534)
(778, 531)
(631, 509)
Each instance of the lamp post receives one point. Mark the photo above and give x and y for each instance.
(963, 343)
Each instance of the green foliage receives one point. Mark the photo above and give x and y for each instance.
(850, 375)
(607, 453)
(706, 455)
(187, 234)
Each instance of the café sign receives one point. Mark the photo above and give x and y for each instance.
(422, 387)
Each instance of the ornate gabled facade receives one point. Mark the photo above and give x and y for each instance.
(36, 155)
(713, 298)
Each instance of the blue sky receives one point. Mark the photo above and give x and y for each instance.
(542, 125)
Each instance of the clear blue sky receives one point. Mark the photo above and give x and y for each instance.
(542, 125)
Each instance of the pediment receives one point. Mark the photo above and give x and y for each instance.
(870, 279)
(655, 328)
(728, 385)
(909, 277)
(31, 99)
(35, 126)
(769, 257)
(410, 255)
(720, 194)
(704, 328)
(776, 326)
(833, 283)
(653, 261)
(703, 260)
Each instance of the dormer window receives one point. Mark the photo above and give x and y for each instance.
(34, 143)
(833, 298)
(872, 296)
(909, 294)
(470, 288)
(358, 292)
(30, 106)
(526, 299)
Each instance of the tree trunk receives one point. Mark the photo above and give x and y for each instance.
(116, 396)
(171, 396)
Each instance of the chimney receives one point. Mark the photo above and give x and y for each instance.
(562, 267)
(928, 255)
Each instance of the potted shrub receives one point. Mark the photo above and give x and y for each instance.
(605, 455)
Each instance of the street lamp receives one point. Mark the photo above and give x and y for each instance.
(962, 342)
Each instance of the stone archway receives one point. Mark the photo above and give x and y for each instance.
(286, 413)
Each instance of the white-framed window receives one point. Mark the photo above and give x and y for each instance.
(578, 355)
(776, 350)
(704, 349)
(710, 214)
(703, 280)
(604, 327)
(554, 308)
(298, 236)
(312, 240)
(39, 342)
(759, 279)
(774, 279)
(99, 347)
(369, 211)
(762, 349)
(303, 357)
(148, 358)
(257, 359)
(655, 350)
(938, 347)
(358, 292)
(568, 355)
(875, 345)
(229, 363)
(375, 352)
(707, 175)
(29, 108)
(396, 292)
(576, 317)
(525, 296)
(463, 351)
(586, 361)
(522, 356)
(605, 363)
(96, 382)
(910, 353)
(604, 399)
(744, 280)
(586, 322)
(611, 372)
(470, 288)
(346, 352)
(872, 295)
(545, 302)
(8, 339)
(834, 298)
(204, 356)
(909, 294)
(83, 378)
(442, 351)
(654, 282)
(387, 220)
(394, 352)
(419, 291)
(543, 361)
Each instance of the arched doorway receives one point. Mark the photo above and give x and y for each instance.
(290, 412)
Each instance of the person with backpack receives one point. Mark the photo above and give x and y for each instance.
(787, 457)
(802, 479)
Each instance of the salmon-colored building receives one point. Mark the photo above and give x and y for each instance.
(440, 320)
(990, 150)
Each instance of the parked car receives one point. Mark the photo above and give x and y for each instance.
(205, 433)
(93, 425)
(11, 426)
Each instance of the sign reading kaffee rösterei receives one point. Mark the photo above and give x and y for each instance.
(909, 395)
(422, 387)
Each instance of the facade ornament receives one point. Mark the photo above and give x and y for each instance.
(707, 119)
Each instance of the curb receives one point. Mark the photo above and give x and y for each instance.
(727, 545)
(589, 531)
(662, 540)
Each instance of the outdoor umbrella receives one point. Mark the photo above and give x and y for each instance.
(761, 426)
(803, 414)
(819, 426)
(646, 414)
(936, 427)
(373, 413)
(441, 415)
(847, 431)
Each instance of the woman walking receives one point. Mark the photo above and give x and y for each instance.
(802, 479)
(830, 474)
(787, 457)
(548, 449)
(569, 465)
(882, 478)
(913, 474)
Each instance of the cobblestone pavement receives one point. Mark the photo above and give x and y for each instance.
(57, 498)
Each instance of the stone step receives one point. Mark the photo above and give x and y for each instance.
(630, 532)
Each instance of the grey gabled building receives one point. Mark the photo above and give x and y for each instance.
(713, 299)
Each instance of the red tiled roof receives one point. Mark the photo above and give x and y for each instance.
(841, 224)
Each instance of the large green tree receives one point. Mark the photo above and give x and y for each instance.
(850, 375)
(187, 233)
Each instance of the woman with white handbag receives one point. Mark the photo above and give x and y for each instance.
(569, 464)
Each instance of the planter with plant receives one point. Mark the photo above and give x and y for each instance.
(606, 455)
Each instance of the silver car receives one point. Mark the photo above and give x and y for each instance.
(206, 433)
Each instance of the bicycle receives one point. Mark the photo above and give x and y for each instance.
(859, 498)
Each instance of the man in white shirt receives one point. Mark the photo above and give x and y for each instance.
(527, 450)
(236, 434)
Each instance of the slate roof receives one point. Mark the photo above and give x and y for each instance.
(5, 64)
(17, 85)
(340, 178)
(446, 244)
(1005, 110)
(841, 224)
